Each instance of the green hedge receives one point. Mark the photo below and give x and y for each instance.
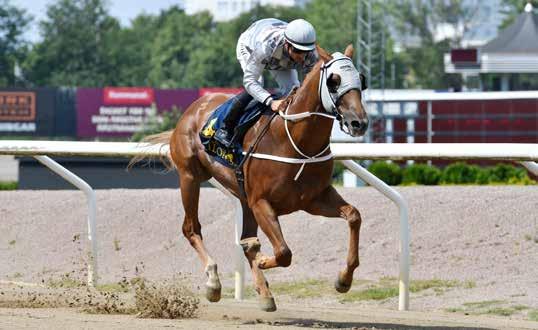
(421, 174)
(8, 185)
(456, 173)
(390, 173)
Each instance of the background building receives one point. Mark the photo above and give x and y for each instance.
(503, 62)
(224, 10)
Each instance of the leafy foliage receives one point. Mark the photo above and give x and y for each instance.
(10, 185)
(460, 173)
(456, 173)
(421, 174)
(73, 51)
(13, 22)
(82, 45)
(390, 173)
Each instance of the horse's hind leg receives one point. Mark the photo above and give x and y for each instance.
(251, 248)
(330, 204)
(190, 193)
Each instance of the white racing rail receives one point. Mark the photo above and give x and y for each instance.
(526, 154)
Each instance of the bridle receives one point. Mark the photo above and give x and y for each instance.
(350, 79)
(341, 65)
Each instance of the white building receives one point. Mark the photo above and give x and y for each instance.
(224, 10)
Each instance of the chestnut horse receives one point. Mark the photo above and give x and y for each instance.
(274, 188)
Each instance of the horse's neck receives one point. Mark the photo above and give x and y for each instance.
(313, 133)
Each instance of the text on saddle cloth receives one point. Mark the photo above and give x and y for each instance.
(233, 155)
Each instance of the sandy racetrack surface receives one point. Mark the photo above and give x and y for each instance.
(478, 245)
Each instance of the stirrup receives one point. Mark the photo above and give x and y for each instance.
(224, 137)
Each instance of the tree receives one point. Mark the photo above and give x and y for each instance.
(214, 62)
(13, 48)
(128, 51)
(426, 22)
(336, 27)
(73, 51)
(174, 43)
(335, 23)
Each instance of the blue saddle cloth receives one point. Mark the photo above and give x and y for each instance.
(233, 155)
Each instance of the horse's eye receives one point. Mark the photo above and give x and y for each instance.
(333, 82)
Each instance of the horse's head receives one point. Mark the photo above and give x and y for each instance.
(340, 90)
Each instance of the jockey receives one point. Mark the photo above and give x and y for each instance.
(281, 48)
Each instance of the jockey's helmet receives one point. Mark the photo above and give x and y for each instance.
(301, 35)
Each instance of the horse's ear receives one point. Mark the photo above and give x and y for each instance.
(323, 53)
(364, 83)
(349, 51)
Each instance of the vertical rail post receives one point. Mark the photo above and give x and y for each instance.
(239, 256)
(90, 196)
(239, 261)
(429, 124)
(382, 187)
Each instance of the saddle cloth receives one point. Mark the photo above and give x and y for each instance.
(230, 157)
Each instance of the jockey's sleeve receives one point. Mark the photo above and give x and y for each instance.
(253, 71)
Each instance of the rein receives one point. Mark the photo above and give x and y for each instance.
(341, 65)
(307, 159)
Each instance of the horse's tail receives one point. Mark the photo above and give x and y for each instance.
(162, 138)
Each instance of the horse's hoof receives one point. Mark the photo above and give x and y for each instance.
(341, 287)
(212, 293)
(267, 304)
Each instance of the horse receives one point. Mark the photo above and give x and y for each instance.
(273, 188)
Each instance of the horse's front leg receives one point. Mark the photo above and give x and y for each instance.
(330, 204)
(268, 222)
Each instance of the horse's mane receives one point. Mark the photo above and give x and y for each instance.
(324, 56)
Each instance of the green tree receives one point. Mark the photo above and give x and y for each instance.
(13, 48)
(128, 51)
(336, 27)
(174, 45)
(73, 51)
(424, 22)
(335, 23)
(214, 62)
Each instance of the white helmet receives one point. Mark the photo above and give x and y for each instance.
(301, 35)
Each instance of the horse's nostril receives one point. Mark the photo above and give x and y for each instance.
(356, 124)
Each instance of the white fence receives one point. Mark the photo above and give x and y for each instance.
(527, 154)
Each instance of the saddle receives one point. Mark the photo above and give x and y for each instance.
(232, 156)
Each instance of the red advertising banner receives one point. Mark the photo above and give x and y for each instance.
(128, 96)
(120, 112)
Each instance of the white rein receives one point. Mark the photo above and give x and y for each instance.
(341, 65)
(307, 159)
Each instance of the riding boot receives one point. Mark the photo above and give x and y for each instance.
(225, 134)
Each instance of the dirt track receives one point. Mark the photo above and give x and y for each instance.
(229, 314)
(486, 236)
